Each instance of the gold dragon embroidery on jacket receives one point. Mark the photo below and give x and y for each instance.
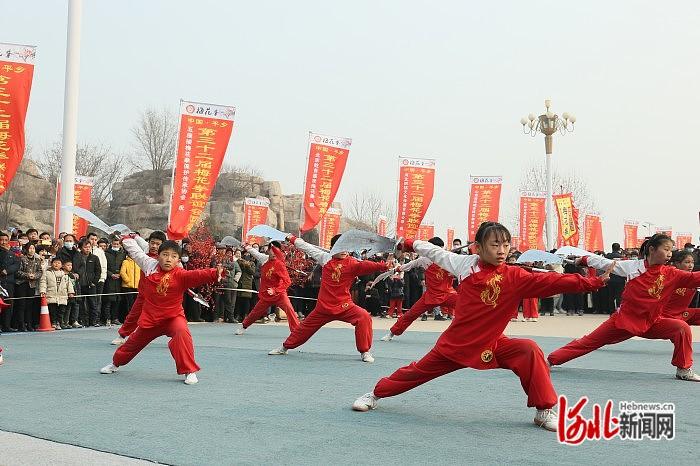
(658, 287)
(270, 272)
(490, 294)
(681, 291)
(337, 270)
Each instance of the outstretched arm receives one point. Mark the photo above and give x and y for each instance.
(147, 264)
(458, 265)
(259, 256)
(199, 277)
(322, 257)
(422, 262)
(539, 284)
(622, 268)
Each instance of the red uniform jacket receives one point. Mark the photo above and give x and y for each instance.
(488, 298)
(677, 306)
(273, 273)
(337, 276)
(438, 282)
(647, 292)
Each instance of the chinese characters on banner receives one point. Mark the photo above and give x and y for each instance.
(330, 226)
(327, 158)
(416, 184)
(82, 197)
(382, 225)
(450, 238)
(668, 231)
(631, 240)
(254, 213)
(593, 233)
(568, 219)
(205, 131)
(484, 201)
(682, 238)
(16, 73)
(425, 231)
(532, 216)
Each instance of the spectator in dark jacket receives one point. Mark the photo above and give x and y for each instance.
(9, 266)
(115, 255)
(88, 270)
(616, 283)
(68, 251)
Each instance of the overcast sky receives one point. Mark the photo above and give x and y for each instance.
(442, 79)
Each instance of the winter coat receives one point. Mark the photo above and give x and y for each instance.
(29, 265)
(130, 273)
(57, 286)
(246, 281)
(88, 270)
(114, 266)
(395, 285)
(10, 263)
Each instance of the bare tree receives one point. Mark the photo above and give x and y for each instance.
(8, 196)
(156, 140)
(243, 179)
(535, 179)
(94, 160)
(366, 208)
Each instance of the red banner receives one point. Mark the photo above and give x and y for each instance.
(382, 225)
(450, 237)
(682, 239)
(568, 219)
(668, 231)
(532, 216)
(593, 233)
(254, 213)
(330, 226)
(416, 184)
(16, 74)
(425, 231)
(631, 232)
(484, 201)
(205, 131)
(82, 197)
(327, 158)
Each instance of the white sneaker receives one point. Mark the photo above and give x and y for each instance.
(278, 351)
(547, 419)
(534, 319)
(119, 341)
(239, 330)
(191, 378)
(365, 402)
(109, 369)
(367, 357)
(687, 374)
(1, 360)
(388, 337)
(515, 319)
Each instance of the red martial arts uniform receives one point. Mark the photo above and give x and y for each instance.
(646, 295)
(488, 295)
(334, 301)
(677, 307)
(162, 312)
(273, 275)
(439, 292)
(530, 306)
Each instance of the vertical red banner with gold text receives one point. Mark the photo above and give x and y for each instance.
(450, 237)
(205, 131)
(329, 227)
(593, 233)
(254, 213)
(425, 231)
(668, 231)
(16, 74)
(682, 238)
(631, 228)
(532, 217)
(328, 156)
(416, 185)
(82, 197)
(567, 215)
(484, 201)
(382, 225)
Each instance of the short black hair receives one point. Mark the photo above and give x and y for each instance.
(437, 241)
(334, 239)
(83, 242)
(2, 233)
(170, 245)
(67, 235)
(45, 233)
(487, 229)
(680, 255)
(102, 240)
(276, 244)
(158, 235)
(66, 261)
(56, 258)
(91, 234)
(32, 230)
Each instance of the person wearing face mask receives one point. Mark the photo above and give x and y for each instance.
(68, 252)
(115, 256)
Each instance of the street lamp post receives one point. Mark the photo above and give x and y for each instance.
(548, 123)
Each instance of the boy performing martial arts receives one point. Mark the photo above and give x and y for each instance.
(439, 292)
(162, 288)
(338, 273)
(274, 281)
(489, 292)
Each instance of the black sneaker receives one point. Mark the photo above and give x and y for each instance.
(439, 317)
(424, 317)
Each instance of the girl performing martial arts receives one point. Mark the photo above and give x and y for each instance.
(438, 292)
(677, 307)
(334, 302)
(489, 292)
(650, 286)
(162, 288)
(274, 281)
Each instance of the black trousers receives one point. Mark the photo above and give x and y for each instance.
(7, 313)
(90, 312)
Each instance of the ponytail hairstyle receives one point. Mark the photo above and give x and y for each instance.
(653, 242)
(680, 255)
(488, 229)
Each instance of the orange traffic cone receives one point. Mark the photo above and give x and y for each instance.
(44, 318)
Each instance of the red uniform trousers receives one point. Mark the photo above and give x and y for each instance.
(132, 318)
(395, 307)
(180, 344)
(265, 303)
(354, 315)
(530, 308)
(607, 333)
(417, 309)
(522, 356)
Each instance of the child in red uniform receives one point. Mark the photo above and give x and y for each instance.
(155, 239)
(162, 287)
(650, 286)
(489, 291)
(338, 273)
(530, 309)
(677, 307)
(395, 286)
(439, 292)
(274, 281)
